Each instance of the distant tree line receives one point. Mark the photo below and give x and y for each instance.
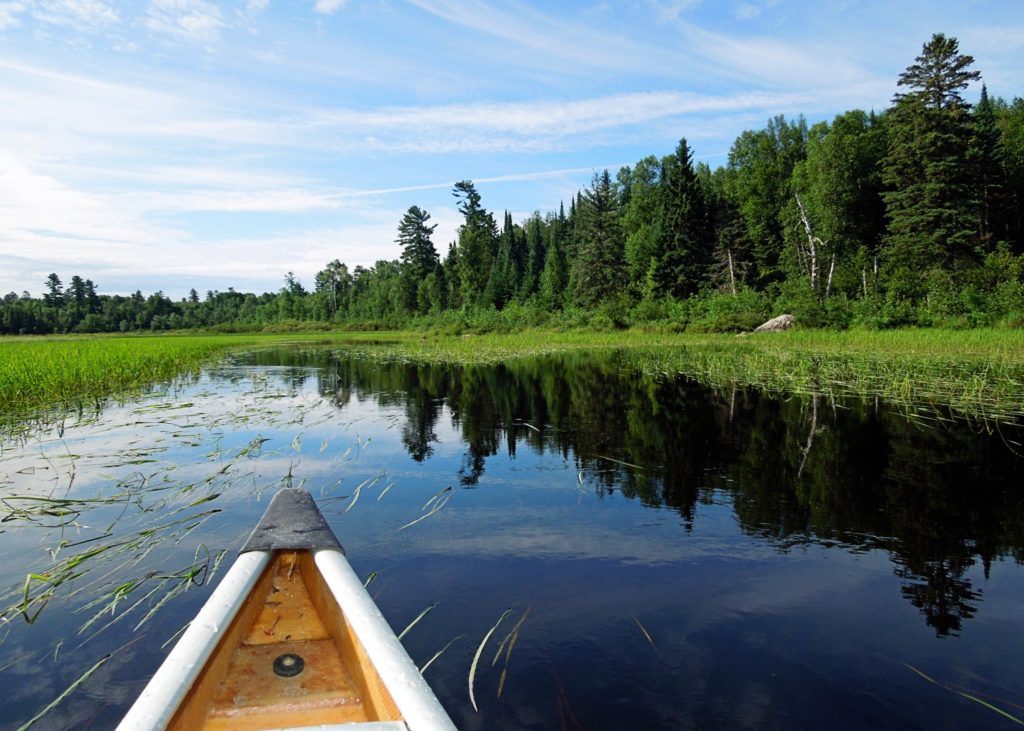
(911, 216)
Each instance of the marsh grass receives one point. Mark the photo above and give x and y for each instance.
(37, 373)
(977, 374)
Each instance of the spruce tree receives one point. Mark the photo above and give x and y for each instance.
(477, 244)
(501, 286)
(535, 253)
(684, 245)
(597, 270)
(555, 277)
(987, 161)
(932, 210)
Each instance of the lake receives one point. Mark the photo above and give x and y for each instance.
(664, 554)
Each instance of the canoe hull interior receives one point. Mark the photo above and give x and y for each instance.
(291, 613)
(289, 639)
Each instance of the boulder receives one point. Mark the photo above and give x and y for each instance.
(782, 322)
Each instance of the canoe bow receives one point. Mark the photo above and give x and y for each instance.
(289, 639)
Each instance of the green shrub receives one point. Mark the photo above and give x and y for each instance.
(720, 312)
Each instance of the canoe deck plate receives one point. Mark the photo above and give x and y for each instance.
(292, 522)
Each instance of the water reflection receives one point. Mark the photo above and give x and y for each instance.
(938, 497)
(780, 552)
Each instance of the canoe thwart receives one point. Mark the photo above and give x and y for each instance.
(292, 522)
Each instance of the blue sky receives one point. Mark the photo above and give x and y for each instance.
(169, 144)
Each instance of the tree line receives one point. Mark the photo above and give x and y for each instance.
(909, 216)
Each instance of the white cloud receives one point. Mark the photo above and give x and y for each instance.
(256, 6)
(82, 15)
(189, 20)
(672, 9)
(70, 114)
(327, 7)
(9, 14)
(34, 203)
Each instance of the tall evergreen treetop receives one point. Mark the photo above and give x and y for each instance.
(478, 238)
(54, 296)
(938, 75)
(932, 207)
(684, 246)
(418, 252)
(597, 269)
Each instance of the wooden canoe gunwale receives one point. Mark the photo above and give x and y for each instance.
(393, 692)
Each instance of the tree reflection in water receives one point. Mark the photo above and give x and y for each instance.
(937, 496)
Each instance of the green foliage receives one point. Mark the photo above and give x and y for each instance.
(684, 241)
(933, 216)
(42, 373)
(597, 270)
(759, 170)
(717, 312)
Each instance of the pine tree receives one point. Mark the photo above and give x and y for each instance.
(501, 286)
(555, 276)
(597, 270)
(92, 300)
(54, 296)
(419, 257)
(418, 252)
(990, 181)
(535, 254)
(77, 301)
(684, 243)
(931, 206)
(477, 244)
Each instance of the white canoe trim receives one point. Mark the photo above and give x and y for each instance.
(413, 697)
(354, 726)
(157, 703)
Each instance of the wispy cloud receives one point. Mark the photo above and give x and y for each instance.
(327, 7)
(9, 13)
(302, 199)
(83, 16)
(672, 9)
(189, 20)
(117, 115)
(550, 42)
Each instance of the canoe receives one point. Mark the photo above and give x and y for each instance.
(290, 639)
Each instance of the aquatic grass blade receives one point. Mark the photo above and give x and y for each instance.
(478, 653)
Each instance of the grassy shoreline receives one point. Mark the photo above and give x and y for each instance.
(977, 373)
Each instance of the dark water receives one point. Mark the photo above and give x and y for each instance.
(684, 557)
